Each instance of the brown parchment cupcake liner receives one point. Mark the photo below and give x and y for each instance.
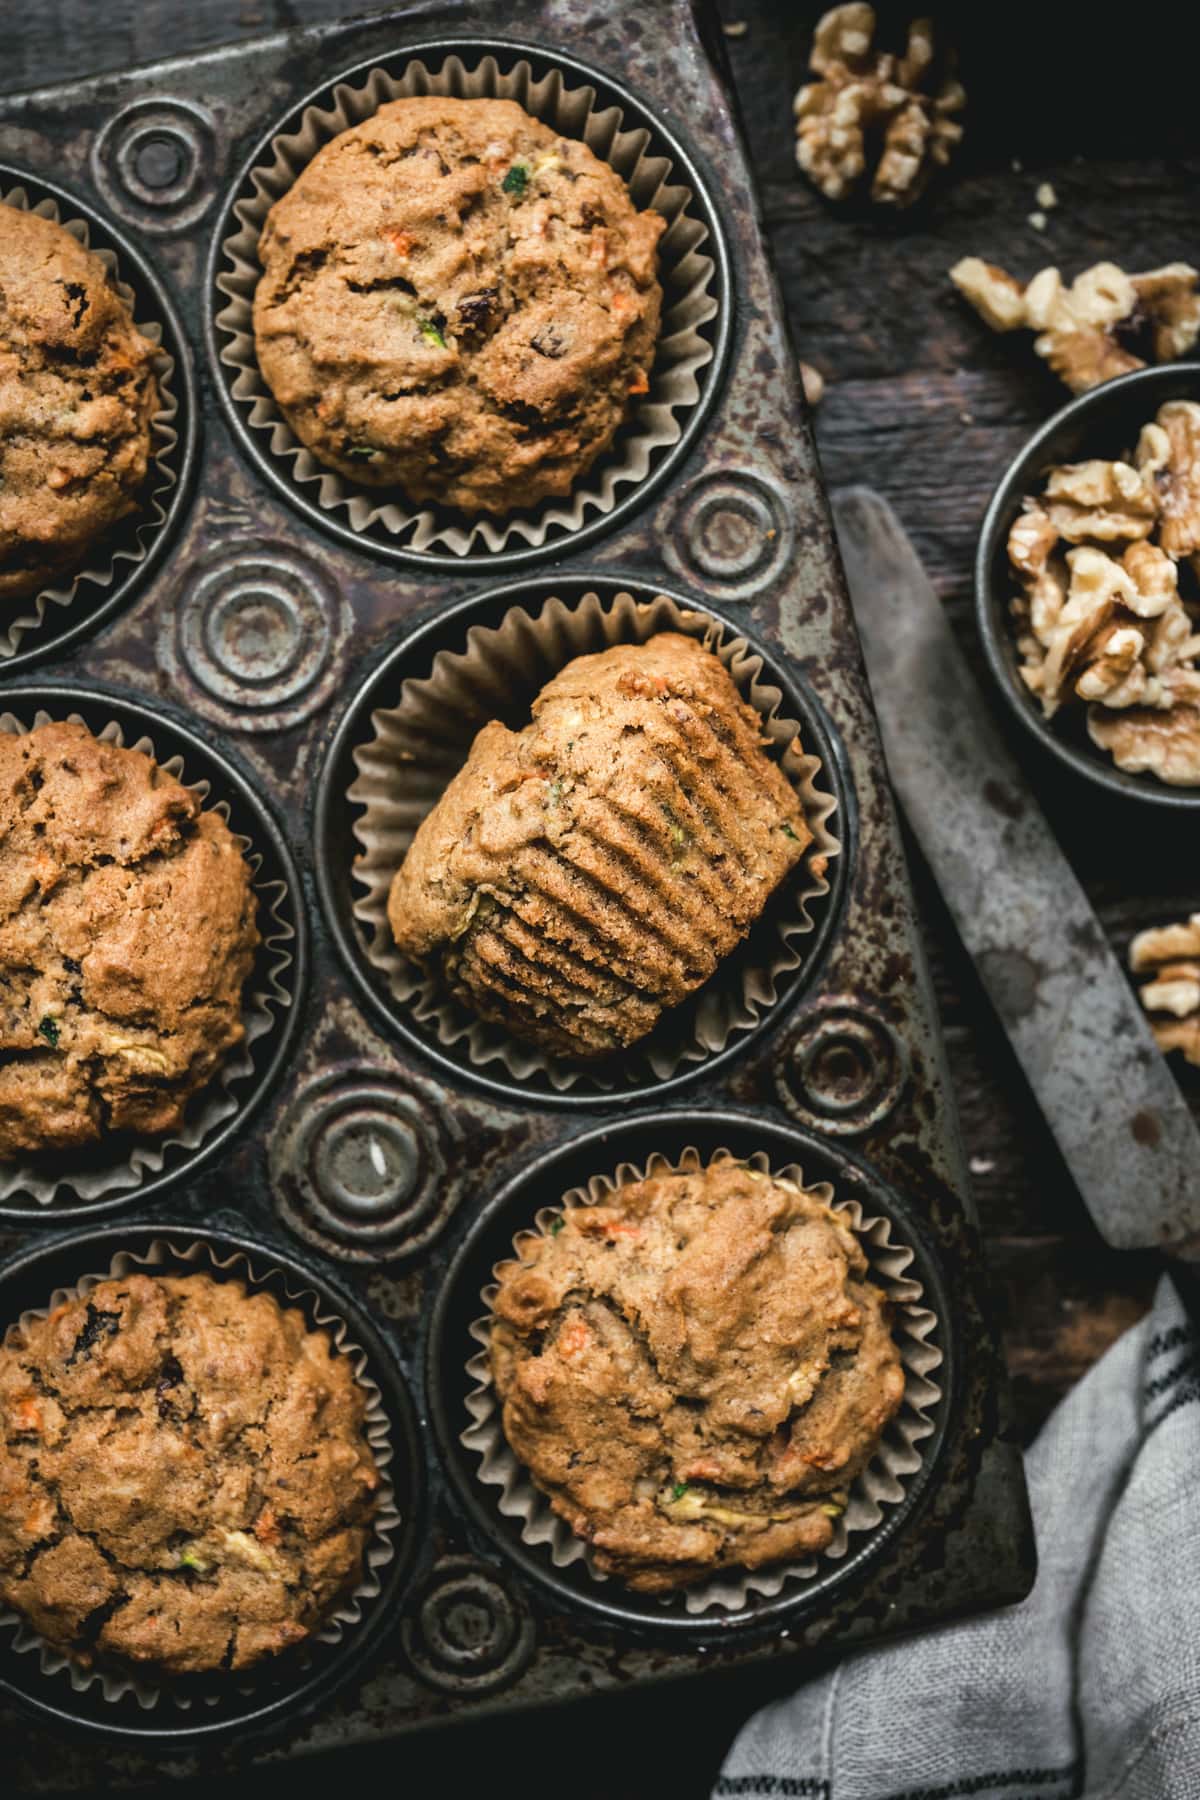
(266, 993)
(166, 1256)
(105, 566)
(687, 274)
(422, 742)
(881, 1484)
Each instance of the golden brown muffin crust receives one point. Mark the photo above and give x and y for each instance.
(457, 301)
(77, 394)
(184, 1479)
(126, 935)
(581, 875)
(694, 1371)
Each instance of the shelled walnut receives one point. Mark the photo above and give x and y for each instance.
(1170, 956)
(862, 98)
(1105, 323)
(1101, 616)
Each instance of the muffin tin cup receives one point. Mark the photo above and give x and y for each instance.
(92, 1178)
(1104, 421)
(205, 1700)
(880, 1485)
(575, 102)
(68, 607)
(466, 1412)
(422, 741)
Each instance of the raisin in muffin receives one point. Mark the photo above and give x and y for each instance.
(459, 302)
(127, 931)
(185, 1484)
(581, 875)
(77, 396)
(694, 1371)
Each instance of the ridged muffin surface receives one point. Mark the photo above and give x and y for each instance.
(584, 874)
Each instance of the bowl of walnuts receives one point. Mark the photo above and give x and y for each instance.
(1087, 585)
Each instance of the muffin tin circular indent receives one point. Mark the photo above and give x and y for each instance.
(466, 1631)
(272, 1695)
(362, 1166)
(845, 1069)
(259, 631)
(438, 537)
(280, 970)
(490, 1241)
(733, 530)
(154, 161)
(116, 566)
(419, 1025)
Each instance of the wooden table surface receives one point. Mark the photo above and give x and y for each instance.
(926, 404)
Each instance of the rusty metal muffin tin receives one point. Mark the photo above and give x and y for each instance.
(371, 1161)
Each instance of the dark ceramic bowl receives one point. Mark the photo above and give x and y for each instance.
(1106, 423)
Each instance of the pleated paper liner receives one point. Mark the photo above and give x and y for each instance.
(881, 1485)
(97, 1172)
(422, 742)
(128, 543)
(171, 1256)
(687, 274)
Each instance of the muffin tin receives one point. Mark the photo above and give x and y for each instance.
(381, 1167)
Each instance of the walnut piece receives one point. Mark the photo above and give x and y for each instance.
(813, 383)
(1170, 955)
(1100, 617)
(1168, 454)
(905, 105)
(1104, 324)
(1166, 744)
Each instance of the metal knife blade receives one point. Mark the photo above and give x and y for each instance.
(1081, 1037)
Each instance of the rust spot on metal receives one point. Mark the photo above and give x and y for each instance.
(1012, 979)
(1145, 1128)
(1003, 799)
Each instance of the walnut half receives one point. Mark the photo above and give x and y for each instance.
(1105, 323)
(904, 105)
(1170, 956)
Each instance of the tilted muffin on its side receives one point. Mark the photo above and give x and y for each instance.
(126, 934)
(77, 396)
(694, 1371)
(581, 875)
(459, 302)
(184, 1479)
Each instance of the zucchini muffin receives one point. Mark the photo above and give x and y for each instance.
(184, 1480)
(77, 396)
(694, 1372)
(580, 876)
(457, 302)
(126, 934)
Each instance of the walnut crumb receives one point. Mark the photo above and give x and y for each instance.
(868, 106)
(1169, 955)
(1103, 324)
(813, 383)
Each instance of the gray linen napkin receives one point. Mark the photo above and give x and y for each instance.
(1091, 1687)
